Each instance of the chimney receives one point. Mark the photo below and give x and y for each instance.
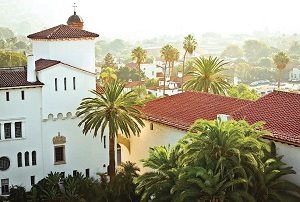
(223, 117)
(31, 73)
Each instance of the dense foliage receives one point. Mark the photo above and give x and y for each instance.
(218, 161)
(242, 91)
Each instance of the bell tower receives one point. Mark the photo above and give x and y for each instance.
(75, 20)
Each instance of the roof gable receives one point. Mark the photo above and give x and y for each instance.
(62, 32)
(42, 64)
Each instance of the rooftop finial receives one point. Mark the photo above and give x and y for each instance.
(74, 6)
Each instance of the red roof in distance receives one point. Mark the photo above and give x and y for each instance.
(62, 32)
(182, 110)
(281, 113)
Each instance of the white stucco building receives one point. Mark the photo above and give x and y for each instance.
(294, 74)
(39, 130)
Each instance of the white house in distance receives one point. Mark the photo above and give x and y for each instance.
(39, 130)
(294, 74)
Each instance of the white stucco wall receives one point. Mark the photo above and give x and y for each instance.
(81, 152)
(28, 111)
(79, 53)
(64, 101)
(160, 135)
(291, 158)
(149, 70)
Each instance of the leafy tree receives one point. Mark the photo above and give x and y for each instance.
(174, 57)
(255, 49)
(108, 61)
(6, 33)
(113, 110)
(139, 55)
(280, 60)
(108, 75)
(242, 91)
(232, 51)
(126, 74)
(151, 82)
(12, 59)
(206, 75)
(265, 62)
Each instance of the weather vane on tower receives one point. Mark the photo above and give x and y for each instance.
(74, 6)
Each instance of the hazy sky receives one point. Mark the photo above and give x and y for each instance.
(141, 18)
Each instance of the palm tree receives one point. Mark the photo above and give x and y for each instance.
(280, 60)
(156, 184)
(189, 45)
(113, 110)
(139, 55)
(166, 53)
(174, 57)
(206, 76)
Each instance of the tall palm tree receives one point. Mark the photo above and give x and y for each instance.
(113, 110)
(189, 45)
(166, 53)
(174, 57)
(139, 55)
(280, 60)
(207, 76)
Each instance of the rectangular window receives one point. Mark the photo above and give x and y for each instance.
(18, 129)
(87, 172)
(22, 95)
(7, 96)
(59, 155)
(151, 126)
(74, 173)
(32, 180)
(7, 130)
(74, 83)
(55, 83)
(65, 83)
(5, 186)
(104, 142)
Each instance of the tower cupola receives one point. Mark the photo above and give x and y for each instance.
(75, 20)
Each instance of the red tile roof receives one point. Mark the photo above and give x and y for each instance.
(15, 77)
(62, 32)
(41, 64)
(281, 113)
(159, 74)
(181, 110)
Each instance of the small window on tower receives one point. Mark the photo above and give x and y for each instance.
(55, 84)
(65, 83)
(7, 96)
(18, 129)
(74, 83)
(151, 126)
(22, 95)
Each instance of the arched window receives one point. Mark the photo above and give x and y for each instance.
(26, 158)
(19, 156)
(33, 158)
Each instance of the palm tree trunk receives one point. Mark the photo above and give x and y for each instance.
(112, 160)
(279, 78)
(183, 71)
(165, 78)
